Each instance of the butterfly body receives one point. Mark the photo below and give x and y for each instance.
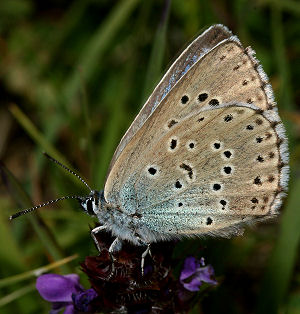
(124, 224)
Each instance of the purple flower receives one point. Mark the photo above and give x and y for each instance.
(194, 273)
(64, 292)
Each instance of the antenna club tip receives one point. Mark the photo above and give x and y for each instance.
(11, 217)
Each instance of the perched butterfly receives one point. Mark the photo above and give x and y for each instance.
(206, 155)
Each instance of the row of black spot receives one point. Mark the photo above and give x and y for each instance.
(216, 186)
(201, 97)
(226, 169)
(250, 127)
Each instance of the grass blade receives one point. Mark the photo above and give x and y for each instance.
(35, 272)
(41, 229)
(97, 45)
(17, 294)
(157, 53)
(36, 135)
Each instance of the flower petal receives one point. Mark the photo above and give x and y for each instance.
(58, 306)
(194, 273)
(206, 274)
(57, 288)
(193, 285)
(74, 278)
(69, 309)
(189, 268)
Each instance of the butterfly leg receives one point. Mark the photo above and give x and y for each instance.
(93, 235)
(114, 247)
(145, 253)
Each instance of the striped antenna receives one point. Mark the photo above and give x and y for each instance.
(29, 210)
(69, 170)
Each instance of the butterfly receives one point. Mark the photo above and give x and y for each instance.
(206, 155)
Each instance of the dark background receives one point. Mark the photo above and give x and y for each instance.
(73, 75)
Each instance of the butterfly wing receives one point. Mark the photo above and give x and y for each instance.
(227, 73)
(196, 50)
(212, 171)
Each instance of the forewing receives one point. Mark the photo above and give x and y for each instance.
(196, 50)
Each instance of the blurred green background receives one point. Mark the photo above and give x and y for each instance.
(73, 75)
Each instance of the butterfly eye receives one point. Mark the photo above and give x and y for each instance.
(89, 207)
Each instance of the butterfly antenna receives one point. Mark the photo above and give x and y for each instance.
(69, 170)
(29, 210)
